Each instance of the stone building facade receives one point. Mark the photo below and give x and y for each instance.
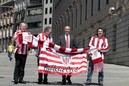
(6, 23)
(85, 16)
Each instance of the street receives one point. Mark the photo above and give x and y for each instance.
(114, 75)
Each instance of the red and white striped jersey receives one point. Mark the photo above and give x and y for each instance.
(43, 37)
(102, 43)
(20, 48)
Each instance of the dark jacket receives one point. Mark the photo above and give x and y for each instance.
(73, 43)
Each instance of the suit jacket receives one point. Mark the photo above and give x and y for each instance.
(62, 42)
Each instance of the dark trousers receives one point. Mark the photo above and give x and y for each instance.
(90, 73)
(9, 54)
(20, 61)
(40, 75)
(65, 77)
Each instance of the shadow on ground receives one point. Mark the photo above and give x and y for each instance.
(56, 83)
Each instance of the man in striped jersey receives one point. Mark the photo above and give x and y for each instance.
(44, 36)
(100, 43)
(20, 51)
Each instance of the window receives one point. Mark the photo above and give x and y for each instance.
(83, 42)
(114, 38)
(86, 10)
(19, 16)
(89, 38)
(37, 11)
(105, 31)
(68, 18)
(76, 19)
(72, 20)
(50, 1)
(128, 37)
(45, 10)
(0, 42)
(99, 5)
(50, 10)
(50, 20)
(92, 3)
(35, 2)
(33, 25)
(65, 19)
(45, 21)
(46, 1)
(80, 13)
(107, 1)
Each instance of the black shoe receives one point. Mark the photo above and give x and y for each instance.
(45, 82)
(64, 82)
(100, 84)
(15, 82)
(69, 81)
(39, 81)
(22, 82)
(88, 83)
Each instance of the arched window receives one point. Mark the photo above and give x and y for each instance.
(16, 7)
(24, 5)
(20, 6)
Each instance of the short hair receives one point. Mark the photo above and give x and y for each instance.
(47, 28)
(23, 23)
(100, 28)
(67, 26)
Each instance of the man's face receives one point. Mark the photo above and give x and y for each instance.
(100, 32)
(49, 32)
(67, 30)
(23, 27)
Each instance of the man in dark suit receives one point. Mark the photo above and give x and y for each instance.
(67, 40)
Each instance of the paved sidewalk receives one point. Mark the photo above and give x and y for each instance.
(114, 75)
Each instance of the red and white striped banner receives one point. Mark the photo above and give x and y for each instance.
(55, 59)
(62, 64)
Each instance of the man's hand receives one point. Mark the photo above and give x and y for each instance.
(20, 32)
(98, 49)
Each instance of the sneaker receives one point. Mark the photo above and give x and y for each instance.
(10, 59)
(88, 82)
(100, 84)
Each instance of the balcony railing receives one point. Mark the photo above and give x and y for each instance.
(5, 1)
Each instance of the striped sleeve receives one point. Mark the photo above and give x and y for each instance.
(106, 46)
(91, 43)
(35, 42)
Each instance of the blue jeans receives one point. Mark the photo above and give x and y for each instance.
(9, 54)
(90, 72)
